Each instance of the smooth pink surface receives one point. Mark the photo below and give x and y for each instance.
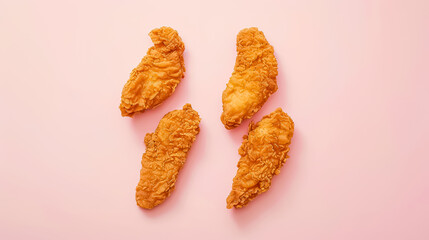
(352, 74)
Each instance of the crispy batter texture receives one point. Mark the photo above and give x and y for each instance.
(253, 79)
(166, 151)
(157, 75)
(263, 152)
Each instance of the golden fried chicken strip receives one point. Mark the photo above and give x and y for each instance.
(157, 75)
(253, 79)
(166, 151)
(263, 152)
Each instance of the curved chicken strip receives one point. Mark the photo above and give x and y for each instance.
(263, 152)
(166, 151)
(157, 75)
(253, 79)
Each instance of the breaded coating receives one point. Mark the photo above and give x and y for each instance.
(263, 152)
(253, 79)
(157, 75)
(166, 151)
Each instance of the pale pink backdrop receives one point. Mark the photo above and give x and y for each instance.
(352, 74)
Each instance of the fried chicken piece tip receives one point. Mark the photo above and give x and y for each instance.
(263, 152)
(166, 152)
(157, 75)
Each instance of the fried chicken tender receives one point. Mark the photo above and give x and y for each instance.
(157, 75)
(166, 151)
(263, 152)
(253, 79)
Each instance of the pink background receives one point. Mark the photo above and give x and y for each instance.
(352, 74)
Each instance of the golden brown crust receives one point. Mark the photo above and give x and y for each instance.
(263, 152)
(253, 79)
(166, 151)
(157, 75)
